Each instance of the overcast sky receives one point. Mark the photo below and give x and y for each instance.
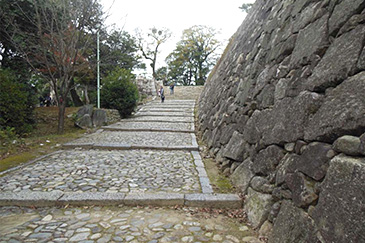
(176, 15)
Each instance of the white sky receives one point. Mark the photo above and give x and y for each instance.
(176, 15)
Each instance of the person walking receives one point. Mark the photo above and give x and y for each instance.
(162, 94)
(172, 85)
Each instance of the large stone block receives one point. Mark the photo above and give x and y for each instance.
(314, 160)
(293, 225)
(339, 61)
(302, 188)
(267, 159)
(236, 147)
(285, 122)
(340, 213)
(99, 118)
(84, 122)
(343, 112)
(349, 145)
(311, 40)
(242, 176)
(342, 12)
(86, 109)
(257, 207)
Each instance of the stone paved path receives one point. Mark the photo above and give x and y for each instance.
(151, 158)
(119, 224)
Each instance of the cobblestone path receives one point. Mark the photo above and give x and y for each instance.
(151, 158)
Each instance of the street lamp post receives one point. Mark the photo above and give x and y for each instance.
(98, 68)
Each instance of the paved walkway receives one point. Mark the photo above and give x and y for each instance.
(150, 159)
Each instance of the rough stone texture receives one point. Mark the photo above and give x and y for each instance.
(86, 109)
(342, 113)
(267, 160)
(99, 118)
(314, 160)
(302, 188)
(311, 40)
(235, 147)
(348, 144)
(147, 86)
(84, 122)
(242, 176)
(362, 144)
(293, 225)
(292, 82)
(340, 213)
(343, 11)
(257, 207)
(284, 122)
(87, 117)
(339, 61)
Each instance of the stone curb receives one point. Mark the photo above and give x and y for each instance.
(164, 121)
(154, 110)
(145, 130)
(58, 198)
(127, 147)
(159, 115)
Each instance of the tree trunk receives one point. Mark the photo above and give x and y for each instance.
(75, 97)
(61, 115)
(86, 94)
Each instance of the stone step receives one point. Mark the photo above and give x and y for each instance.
(146, 129)
(160, 120)
(137, 140)
(164, 114)
(151, 126)
(116, 146)
(58, 198)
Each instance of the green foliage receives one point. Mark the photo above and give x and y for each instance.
(194, 56)
(9, 139)
(161, 74)
(119, 92)
(17, 101)
(119, 49)
(246, 7)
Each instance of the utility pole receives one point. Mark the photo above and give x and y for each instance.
(98, 68)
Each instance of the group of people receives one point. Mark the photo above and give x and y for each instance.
(161, 92)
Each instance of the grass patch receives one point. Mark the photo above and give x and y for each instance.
(44, 138)
(219, 182)
(16, 160)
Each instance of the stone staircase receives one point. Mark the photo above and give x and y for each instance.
(150, 159)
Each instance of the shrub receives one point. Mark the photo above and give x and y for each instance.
(9, 139)
(16, 99)
(119, 92)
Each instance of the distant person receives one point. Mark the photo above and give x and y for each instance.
(41, 101)
(48, 100)
(172, 85)
(162, 94)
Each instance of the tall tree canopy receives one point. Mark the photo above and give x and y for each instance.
(53, 36)
(245, 7)
(149, 44)
(119, 49)
(194, 55)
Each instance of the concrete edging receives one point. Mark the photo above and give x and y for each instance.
(58, 198)
(127, 147)
(145, 130)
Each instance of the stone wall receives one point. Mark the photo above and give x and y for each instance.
(283, 112)
(146, 86)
